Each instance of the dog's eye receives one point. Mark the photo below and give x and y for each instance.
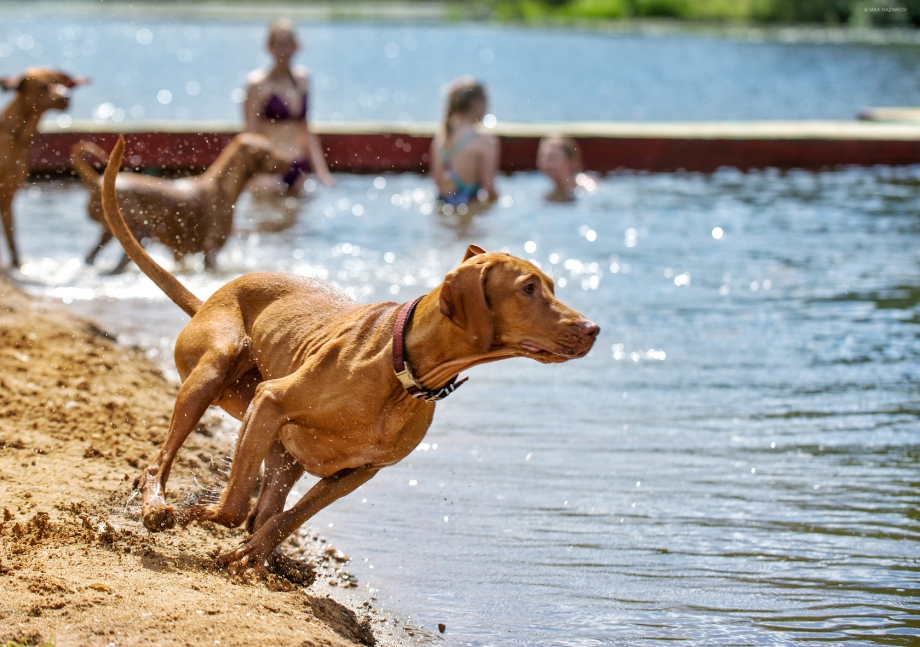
(528, 289)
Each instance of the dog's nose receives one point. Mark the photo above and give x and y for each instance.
(589, 328)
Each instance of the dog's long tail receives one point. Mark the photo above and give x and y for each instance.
(84, 169)
(164, 280)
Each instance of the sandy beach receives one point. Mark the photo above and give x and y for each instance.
(80, 413)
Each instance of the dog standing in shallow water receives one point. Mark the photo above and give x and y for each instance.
(322, 384)
(37, 91)
(188, 215)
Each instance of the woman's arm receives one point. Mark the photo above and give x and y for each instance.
(310, 143)
(314, 149)
(252, 103)
(491, 159)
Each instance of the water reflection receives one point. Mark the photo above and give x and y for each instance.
(392, 72)
(269, 211)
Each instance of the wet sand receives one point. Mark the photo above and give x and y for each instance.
(79, 414)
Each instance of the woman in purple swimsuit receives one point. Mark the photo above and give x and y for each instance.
(276, 106)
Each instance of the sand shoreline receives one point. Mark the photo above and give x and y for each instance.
(80, 413)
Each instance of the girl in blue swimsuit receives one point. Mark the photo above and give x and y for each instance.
(463, 161)
(277, 100)
(463, 192)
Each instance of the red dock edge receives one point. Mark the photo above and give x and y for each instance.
(392, 148)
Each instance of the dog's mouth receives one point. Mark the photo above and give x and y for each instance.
(545, 353)
(59, 103)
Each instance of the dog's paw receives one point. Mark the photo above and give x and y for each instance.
(159, 518)
(245, 559)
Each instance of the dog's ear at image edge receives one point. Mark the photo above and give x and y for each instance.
(471, 251)
(10, 82)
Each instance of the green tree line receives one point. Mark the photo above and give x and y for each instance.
(832, 12)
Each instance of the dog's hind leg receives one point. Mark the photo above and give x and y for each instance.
(236, 399)
(90, 257)
(195, 395)
(203, 385)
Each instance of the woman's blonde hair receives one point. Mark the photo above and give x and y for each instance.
(461, 94)
(282, 28)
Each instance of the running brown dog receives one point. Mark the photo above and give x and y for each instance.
(188, 215)
(312, 375)
(37, 91)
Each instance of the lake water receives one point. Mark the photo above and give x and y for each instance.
(392, 72)
(735, 463)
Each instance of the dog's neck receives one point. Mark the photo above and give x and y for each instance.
(447, 350)
(20, 118)
(231, 172)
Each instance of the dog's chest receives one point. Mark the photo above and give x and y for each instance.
(349, 444)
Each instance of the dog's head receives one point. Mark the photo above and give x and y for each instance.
(506, 305)
(262, 155)
(43, 88)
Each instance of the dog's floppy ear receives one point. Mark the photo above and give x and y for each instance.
(10, 82)
(471, 251)
(463, 301)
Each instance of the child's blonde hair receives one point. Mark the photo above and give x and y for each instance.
(461, 94)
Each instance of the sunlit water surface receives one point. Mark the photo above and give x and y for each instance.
(735, 463)
(147, 67)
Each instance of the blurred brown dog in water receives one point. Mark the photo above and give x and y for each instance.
(323, 384)
(188, 215)
(37, 91)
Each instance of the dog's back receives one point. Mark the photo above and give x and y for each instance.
(168, 211)
(158, 209)
(188, 215)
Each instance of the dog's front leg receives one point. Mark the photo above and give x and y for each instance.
(281, 472)
(260, 429)
(6, 215)
(253, 552)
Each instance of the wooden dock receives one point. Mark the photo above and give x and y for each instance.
(894, 114)
(383, 147)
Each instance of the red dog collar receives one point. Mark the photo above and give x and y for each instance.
(403, 373)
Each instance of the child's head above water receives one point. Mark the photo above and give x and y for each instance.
(466, 98)
(559, 158)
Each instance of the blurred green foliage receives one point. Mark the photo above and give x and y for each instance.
(855, 13)
(832, 12)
